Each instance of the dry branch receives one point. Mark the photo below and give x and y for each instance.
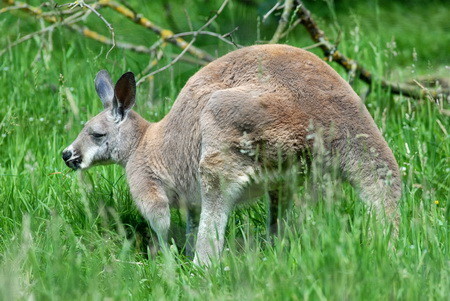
(290, 28)
(68, 22)
(209, 33)
(59, 17)
(288, 4)
(37, 11)
(82, 4)
(186, 49)
(274, 8)
(91, 34)
(85, 31)
(165, 34)
(332, 54)
(11, 8)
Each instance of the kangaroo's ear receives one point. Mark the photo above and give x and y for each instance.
(104, 88)
(125, 94)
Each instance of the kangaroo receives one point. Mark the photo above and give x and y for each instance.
(229, 125)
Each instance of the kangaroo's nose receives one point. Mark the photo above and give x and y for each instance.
(66, 155)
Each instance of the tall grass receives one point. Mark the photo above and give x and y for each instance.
(66, 236)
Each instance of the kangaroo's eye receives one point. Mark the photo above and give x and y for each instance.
(98, 135)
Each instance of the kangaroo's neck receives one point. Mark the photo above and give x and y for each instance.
(131, 135)
(168, 151)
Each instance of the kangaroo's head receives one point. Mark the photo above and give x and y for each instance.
(107, 137)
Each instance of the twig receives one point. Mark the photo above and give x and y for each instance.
(10, 8)
(315, 45)
(271, 11)
(288, 4)
(209, 33)
(290, 28)
(173, 62)
(165, 34)
(57, 12)
(50, 17)
(37, 11)
(332, 54)
(82, 4)
(73, 19)
(190, 60)
(105, 40)
(159, 55)
(83, 30)
(176, 59)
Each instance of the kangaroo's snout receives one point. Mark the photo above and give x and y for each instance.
(71, 159)
(66, 154)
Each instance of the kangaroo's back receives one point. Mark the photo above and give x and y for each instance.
(272, 67)
(297, 75)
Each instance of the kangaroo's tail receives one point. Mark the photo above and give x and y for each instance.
(368, 163)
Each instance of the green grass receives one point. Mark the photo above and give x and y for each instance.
(63, 236)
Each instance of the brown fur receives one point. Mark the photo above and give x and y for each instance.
(239, 113)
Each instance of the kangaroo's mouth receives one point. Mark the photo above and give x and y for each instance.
(74, 163)
(71, 159)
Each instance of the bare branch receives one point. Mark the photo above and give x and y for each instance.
(195, 34)
(173, 62)
(82, 4)
(105, 40)
(37, 11)
(57, 12)
(73, 19)
(332, 54)
(165, 34)
(288, 4)
(274, 8)
(190, 60)
(11, 8)
(209, 33)
(315, 45)
(76, 11)
(290, 28)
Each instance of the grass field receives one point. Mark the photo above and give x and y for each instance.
(67, 236)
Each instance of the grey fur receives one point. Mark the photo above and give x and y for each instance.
(234, 117)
